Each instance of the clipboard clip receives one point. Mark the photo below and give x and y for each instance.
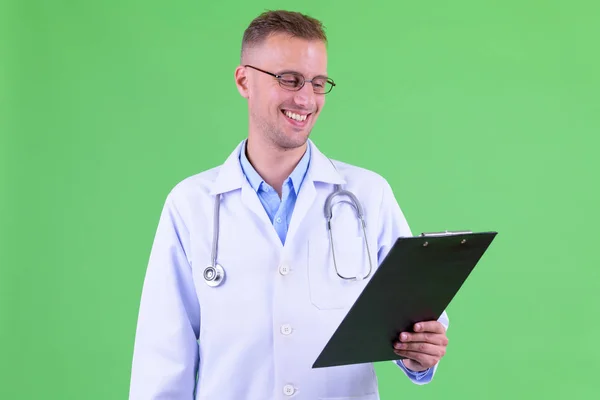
(445, 233)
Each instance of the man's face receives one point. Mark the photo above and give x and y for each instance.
(271, 106)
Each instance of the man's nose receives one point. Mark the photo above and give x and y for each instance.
(306, 96)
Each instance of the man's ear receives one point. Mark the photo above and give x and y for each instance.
(241, 81)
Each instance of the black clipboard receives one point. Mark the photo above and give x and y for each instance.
(415, 282)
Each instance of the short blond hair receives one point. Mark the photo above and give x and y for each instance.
(292, 23)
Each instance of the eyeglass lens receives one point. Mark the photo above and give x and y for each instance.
(295, 82)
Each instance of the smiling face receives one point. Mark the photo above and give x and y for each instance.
(282, 117)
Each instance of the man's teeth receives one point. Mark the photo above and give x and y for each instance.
(295, 116)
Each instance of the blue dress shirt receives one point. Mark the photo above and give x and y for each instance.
(280, 214)
(278, 210)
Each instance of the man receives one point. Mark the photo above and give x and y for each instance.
(253, 329)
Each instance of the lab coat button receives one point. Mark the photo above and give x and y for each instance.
(286, 329)
(284, 270)
(288, 390)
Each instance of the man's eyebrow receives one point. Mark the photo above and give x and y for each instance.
(288, 71)
(291, 71)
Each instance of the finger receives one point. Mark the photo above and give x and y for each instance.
(425, 360)
(429, 326)
(424, 348)
(433, 338)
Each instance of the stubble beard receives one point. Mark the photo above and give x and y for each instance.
(277, 137)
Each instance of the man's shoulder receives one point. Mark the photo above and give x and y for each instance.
(195, 185)
(206, 182)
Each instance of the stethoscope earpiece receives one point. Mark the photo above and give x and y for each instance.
(214, 275)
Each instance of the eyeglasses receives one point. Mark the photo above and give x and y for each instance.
(295, 81)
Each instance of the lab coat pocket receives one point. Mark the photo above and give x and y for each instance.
(330, 287)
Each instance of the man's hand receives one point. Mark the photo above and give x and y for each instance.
(424, 347)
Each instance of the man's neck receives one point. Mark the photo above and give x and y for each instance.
(273, 164)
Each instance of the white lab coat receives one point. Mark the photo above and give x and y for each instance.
(256, 336)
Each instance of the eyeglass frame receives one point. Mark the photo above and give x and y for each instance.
(304, 80)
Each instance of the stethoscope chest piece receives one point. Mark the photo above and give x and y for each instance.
(214, 275)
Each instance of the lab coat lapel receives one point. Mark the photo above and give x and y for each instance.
(231, 177)
(304, 202)
(320, 169)
(250, 199)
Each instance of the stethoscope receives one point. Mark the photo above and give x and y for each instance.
(214, 274)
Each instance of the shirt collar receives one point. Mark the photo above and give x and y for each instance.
(255, 180)
(229, 176)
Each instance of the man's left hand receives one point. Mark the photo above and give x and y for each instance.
(424, 347)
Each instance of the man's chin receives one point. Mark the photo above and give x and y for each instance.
(293, 139)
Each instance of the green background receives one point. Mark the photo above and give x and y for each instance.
(483, 115)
